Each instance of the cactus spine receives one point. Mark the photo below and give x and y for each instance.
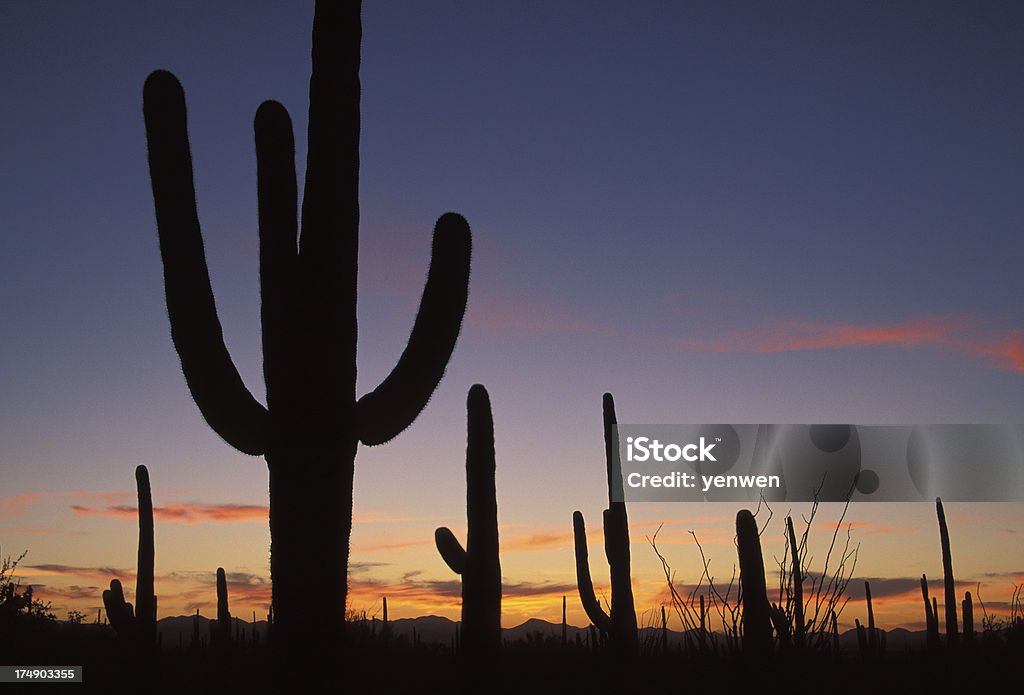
(947, 576)
(139, 622)
(312, 423)
(479, 563)
(757, 623)
(620, 625)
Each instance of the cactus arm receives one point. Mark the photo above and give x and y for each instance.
(586, 586)
(212, 378)
(450, 549)
(145, 601)
(400, 398)
(278, 230)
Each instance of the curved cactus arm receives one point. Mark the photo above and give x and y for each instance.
(212, 378)
(451, 550)
(396, 402)
(586, 586)
(278, 225)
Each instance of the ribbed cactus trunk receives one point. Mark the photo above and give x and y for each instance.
(757, 623)
(312, 423)
(949, 583)
(620, 624)
(799, 626)
(479, 563)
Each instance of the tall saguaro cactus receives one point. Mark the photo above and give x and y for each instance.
(478, 563)
(312, 423)
(757, 623)
(138, 622)
(620, 624)
(947, 577)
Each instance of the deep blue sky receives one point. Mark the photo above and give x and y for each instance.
(647, 183)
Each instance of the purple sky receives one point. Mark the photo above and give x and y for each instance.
(718, 211)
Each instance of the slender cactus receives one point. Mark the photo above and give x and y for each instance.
(312, 424)
(620, 625)
(220, 629)
(757, 623)
(931, 618)
(799, 626)
(968, 606)
(565, 632)
(872, 632)
(478, 564)
(664, 631)
(137, 623)
(947, 576)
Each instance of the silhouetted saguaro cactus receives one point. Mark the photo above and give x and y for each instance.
(138, 622)
(479, 563)
(565, 632)
(220, 629)
(620, 624)
(931, 617)
(947, 576)
(757, 624)
(968, 606)
(799, 626)
(312, 424)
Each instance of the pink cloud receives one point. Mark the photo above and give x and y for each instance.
(183, 513)
(955, 333)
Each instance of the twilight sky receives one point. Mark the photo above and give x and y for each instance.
(718, 211)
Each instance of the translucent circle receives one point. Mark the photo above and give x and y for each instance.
(830, 438)
(867, 482)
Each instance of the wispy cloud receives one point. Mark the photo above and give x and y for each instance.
(525, 318)
(184, 513)
(950, 332)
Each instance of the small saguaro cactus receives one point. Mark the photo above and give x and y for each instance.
(478, 563)
(757, 623)
(312, 423)
(968, 606)
(138, 623)
(799, 626)
(947, 576)
(220, 629)
(620, 623)
(931, 617)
